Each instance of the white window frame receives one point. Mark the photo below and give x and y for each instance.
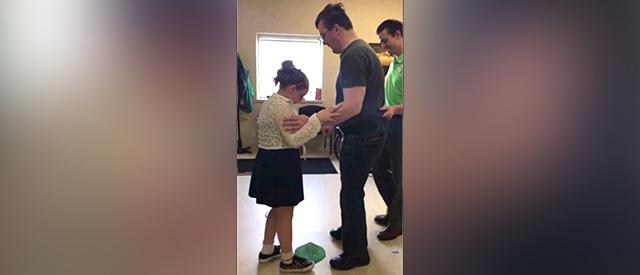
(263, 90)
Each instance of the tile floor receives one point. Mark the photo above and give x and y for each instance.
(313, 218)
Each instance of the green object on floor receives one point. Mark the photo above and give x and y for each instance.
(311, 251)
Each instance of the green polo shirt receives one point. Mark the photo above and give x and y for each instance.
(394, 82)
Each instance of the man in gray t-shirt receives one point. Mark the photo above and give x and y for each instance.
(359, 96)
(360, 67)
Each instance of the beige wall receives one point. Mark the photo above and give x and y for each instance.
(297, 17)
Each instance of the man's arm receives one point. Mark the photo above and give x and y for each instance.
(352, 104)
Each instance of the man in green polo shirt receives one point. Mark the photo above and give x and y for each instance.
(387, 171)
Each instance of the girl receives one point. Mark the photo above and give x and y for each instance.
(276, 180)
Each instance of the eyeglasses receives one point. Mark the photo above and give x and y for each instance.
(323, 35)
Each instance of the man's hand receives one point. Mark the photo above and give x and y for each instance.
(294, 123)
(326, 116)
(390, 111)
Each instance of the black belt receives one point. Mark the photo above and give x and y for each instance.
(364, 139)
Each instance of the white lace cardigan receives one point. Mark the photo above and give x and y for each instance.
(271, 134)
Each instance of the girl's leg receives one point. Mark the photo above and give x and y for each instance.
(289, 263)
(284, 215)
(270, 227)
(269, 232)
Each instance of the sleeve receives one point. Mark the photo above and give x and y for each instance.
(302, 136)
(353, 71)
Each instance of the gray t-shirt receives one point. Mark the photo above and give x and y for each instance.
(359, 66)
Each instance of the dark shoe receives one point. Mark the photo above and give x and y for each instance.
(263, 258)
(336, 234)
(381, 220)
(343, 262)
(298, 265)
(389, 234)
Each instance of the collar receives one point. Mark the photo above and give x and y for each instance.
(399, 59)
(349, 46)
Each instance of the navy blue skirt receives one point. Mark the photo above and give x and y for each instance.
(276, 180)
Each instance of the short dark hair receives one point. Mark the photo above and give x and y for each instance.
(290, 75)
(391, 25)
(334, 14)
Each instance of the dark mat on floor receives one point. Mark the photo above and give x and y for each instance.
(310, 166)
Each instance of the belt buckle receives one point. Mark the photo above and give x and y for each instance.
(374, 138)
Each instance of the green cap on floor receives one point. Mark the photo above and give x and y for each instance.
(311, 251)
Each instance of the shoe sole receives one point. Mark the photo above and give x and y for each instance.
(358, 265)
(269, 259)
(306, 269)
(389, 239)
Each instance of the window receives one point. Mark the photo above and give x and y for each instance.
(272, 49)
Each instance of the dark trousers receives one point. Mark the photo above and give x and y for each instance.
(387, 173)
(357, 157)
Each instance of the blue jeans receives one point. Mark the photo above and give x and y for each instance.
(357, 157)
(387, 173)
